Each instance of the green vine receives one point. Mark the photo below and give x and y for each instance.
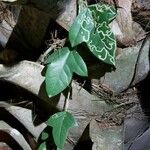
(91, 27)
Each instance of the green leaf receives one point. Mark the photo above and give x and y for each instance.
(61, 66)
(44, 136)
(81, 29)
(59, 148)
(82, 4)
(92, 27)
(61, 123)
(42, 146)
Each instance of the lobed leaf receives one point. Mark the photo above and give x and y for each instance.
(59, 72)
(92, 27)
(61, 122)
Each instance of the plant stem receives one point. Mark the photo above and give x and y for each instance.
(66, 102)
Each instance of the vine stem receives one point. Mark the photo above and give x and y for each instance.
(66, 102)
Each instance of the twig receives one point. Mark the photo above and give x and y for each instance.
(52, 47)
